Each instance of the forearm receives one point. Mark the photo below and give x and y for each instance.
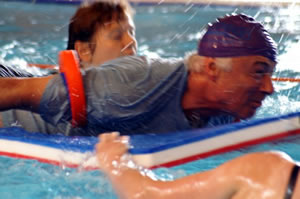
(131, 184)
(134, 183)
(22, 93)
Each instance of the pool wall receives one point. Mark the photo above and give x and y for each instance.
(276, 3)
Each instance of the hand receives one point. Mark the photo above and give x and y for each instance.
(110, 149)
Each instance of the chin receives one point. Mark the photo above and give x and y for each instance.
(247, 115)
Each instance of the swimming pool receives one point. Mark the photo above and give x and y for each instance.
(36, 32)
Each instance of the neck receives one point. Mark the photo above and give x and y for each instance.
(197, 93)
(199, 118)
(83, 65)
(199, 96)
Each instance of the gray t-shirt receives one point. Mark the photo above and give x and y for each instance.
(131, 95)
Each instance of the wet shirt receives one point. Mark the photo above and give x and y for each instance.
(29, 121)
(131, 95)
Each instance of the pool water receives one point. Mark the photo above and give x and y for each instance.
(35, 33)
(34, 180)
(30, 179)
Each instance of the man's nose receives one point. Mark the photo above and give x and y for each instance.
(267, 85)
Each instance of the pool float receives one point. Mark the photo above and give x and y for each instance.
(149, 150)
(70, 71)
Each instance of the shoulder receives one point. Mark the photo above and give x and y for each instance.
(141, 62)
(132, 69)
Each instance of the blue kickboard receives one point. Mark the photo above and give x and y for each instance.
(141, 144)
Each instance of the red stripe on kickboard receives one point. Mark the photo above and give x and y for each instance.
(44, 160)
(227, 149)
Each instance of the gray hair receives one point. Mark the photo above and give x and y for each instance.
(195, 62)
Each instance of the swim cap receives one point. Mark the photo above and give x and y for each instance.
(237, 35)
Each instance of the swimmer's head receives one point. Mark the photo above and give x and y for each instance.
(237, 35)
(235, 61)
(101, 31)
(88, 18)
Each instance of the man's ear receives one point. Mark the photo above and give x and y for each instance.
(84, 51)
(194, 63)
(211, 69)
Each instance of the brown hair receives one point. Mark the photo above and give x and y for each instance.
(90, 16)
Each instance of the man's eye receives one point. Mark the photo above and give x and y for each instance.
(258, 74)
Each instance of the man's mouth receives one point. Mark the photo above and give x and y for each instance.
(256, 104)
(257, 101)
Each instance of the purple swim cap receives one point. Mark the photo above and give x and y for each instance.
(237, 35)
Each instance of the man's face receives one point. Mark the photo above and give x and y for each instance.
(113, 40)
(246, 85)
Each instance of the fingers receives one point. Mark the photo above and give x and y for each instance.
(125, 140)
(113, 139)
(107, 137)
(110, 148)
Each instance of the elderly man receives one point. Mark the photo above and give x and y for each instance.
(226, 80)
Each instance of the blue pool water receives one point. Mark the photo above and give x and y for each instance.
(35, 33)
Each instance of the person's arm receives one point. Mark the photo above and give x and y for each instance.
(130, 183)
(22, 93)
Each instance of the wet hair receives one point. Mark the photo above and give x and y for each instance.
(90, 16)
(237, 35)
